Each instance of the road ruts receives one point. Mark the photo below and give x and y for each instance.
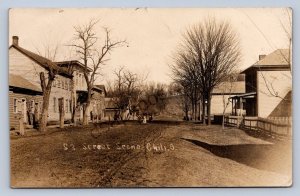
(106, 180)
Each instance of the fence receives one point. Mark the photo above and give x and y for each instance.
(272, 125)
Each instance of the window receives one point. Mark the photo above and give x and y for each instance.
(15, 105)
(54, 104)
(58, 83)
(66, 85)
(67, 106)
(32, 106)
(62, 84)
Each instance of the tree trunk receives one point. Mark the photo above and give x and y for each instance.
(186, 113)
(193, 109)
(223, 123)
(196, 111)
(85, 120)
(44, 114)
(203, 110)
(61, 112)
(46, 88)
(74, 113)
(208, 109)
(199, 115)
(36, 115)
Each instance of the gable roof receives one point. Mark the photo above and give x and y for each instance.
(20, 82)
(101, 86)
(44, 62)
(231, 88)
(277, 60)
(73, 63)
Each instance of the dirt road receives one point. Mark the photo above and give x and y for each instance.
(153, 155)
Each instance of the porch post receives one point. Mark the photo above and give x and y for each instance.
(235, 107)
(232, 106)
(241, 106)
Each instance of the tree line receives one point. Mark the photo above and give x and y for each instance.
(208, 55)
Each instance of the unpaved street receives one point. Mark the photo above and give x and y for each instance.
(151, 155)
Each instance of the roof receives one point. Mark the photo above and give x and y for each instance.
(72, 62)
(237, 87)
(101, 86)
(20, 82)
(96, 88)
(44, 62)
(279, 60)
(244, 95)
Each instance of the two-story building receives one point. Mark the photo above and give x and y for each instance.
(79, 91)
(268, 86)
(29, 65)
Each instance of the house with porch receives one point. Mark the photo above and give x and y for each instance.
(219, 101)
(268, 84)
(221, 97)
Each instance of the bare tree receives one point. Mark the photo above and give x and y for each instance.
(46, 85)
(211, 49)
(185, 75)
(126, 90)
(92, 55)
(154, 99)
(49, 53)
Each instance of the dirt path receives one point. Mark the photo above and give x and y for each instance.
(144, 155)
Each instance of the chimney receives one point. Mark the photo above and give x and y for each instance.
(261, 56)
(15, 40)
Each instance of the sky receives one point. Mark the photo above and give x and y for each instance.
(152, 34)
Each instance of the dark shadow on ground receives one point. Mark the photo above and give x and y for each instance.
(268, 157)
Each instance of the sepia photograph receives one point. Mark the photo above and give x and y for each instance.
(150, 97)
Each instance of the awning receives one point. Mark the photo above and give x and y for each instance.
(244, 96)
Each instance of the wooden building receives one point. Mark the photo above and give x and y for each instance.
(79, 91)
(29, 65)
(25, 101)
(268, 86)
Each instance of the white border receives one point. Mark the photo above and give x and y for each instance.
(4, 134)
